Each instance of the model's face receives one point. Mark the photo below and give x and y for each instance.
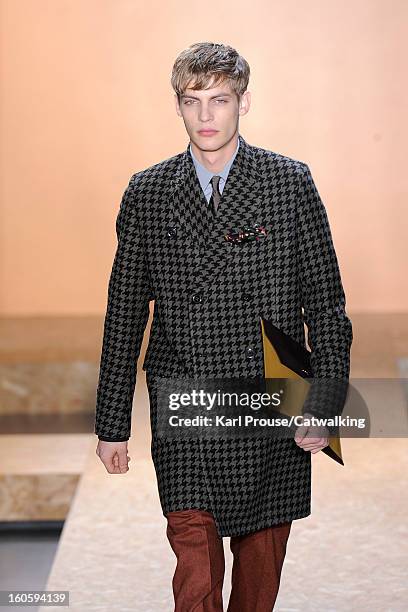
(211, 116)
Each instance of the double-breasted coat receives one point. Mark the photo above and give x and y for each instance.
(208, 297)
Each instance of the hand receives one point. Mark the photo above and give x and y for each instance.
(312, 437)
(113, 456)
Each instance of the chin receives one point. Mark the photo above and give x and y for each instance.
(206, 142)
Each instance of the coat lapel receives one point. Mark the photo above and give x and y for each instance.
(240, 205)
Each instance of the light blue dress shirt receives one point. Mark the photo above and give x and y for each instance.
(205, 176)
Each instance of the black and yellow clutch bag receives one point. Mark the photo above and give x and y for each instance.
(284, 358)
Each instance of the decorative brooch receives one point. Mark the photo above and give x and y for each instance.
(247, 234)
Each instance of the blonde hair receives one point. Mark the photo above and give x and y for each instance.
(205, 63)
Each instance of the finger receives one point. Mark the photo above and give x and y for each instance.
(322, 442)
(110, 467)
(300, 433)
(307, 442)
(316, 450)
(311, 440)
(115, 464)
(307, 446)
(318, 446)
(123, 462)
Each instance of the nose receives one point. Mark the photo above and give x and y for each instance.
(205, 113)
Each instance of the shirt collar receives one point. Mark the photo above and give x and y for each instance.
(205, 176)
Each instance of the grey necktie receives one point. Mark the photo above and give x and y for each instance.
(216, 195)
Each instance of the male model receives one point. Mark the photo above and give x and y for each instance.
(209, 293)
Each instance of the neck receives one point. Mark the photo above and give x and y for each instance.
(215, 161)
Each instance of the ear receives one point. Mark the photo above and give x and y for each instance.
(245, 103)
(177, 105)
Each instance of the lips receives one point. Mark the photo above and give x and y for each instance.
(207, 132)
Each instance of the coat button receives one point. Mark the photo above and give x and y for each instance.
(197, 298)
(250, 353)
(246, 296)
(171, 231)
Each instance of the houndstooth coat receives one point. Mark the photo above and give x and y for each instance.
(208, 296)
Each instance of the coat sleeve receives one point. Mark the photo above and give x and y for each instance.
(329, 328)
(126, 317)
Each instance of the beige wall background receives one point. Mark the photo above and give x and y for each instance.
(87, 101)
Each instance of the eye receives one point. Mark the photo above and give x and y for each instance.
(221, 100)
(188, 101)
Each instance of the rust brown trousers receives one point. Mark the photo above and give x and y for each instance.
(199, 575)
